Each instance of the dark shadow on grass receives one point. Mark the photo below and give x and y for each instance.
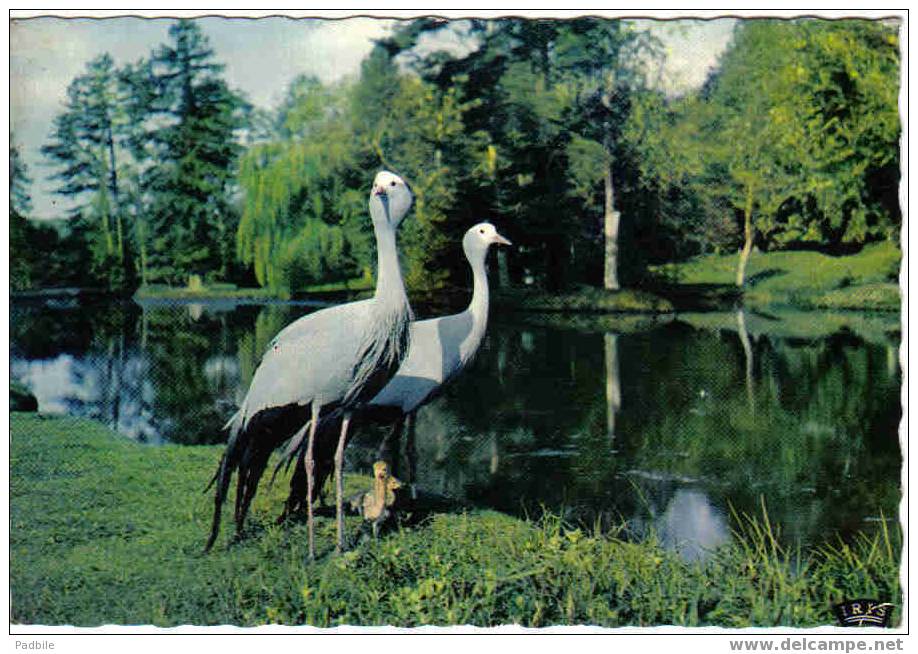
(407, 513)
(762, 275)
(698, 297)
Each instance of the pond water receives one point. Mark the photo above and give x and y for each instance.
(668, 425)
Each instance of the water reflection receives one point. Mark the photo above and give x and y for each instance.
(747, 354)
(692, 525)
(662, 425)
(613, 384)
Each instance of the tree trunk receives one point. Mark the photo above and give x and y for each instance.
(113, 171)
(747, 244)
(119, 231)
(113, 183)
(611, 221)
(141, 235)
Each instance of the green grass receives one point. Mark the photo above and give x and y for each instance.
(356, 284)
(203, 292)
(196, 290)
(866, 280)
(107, 531)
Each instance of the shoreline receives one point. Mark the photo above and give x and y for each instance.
(797, 280)
(131, 530)
(867, 298)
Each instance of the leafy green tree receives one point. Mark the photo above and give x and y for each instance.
(21, 260)
(742, 145)
(550, 97)
(516, 169)
(603, 64)
(196, 120)
(684, 215)
(137, 94)
(783, 146)
(836, 110)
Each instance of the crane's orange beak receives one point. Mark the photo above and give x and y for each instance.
(379, 190)
(500, 240)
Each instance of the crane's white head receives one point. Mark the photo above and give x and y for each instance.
(390, 198)
(479, 238)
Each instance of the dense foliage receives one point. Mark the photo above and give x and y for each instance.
(790, 146)
(555, 130)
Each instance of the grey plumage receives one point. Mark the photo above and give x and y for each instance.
(331, 361)
(440, 348)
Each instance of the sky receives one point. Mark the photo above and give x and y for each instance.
(261, 57)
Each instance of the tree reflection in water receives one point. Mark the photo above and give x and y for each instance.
(662, 425)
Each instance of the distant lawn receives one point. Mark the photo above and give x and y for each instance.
(356, 284)
(866, 280)
(202, 292)
(106, 531)
(224, 291)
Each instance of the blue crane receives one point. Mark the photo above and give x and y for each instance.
(331, 361)
(440, 348)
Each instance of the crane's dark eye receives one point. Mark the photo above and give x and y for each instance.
(393, 183)
(481, 231)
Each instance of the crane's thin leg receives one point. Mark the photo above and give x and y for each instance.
(310, 479)
(412, 455)
(339, 481)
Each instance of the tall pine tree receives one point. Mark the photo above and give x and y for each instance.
(196, 118)
(20, 200)
(20, 230)
(86, 150)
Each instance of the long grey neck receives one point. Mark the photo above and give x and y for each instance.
(390, 286)
(478, 307)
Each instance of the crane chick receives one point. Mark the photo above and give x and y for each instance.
(375, 504)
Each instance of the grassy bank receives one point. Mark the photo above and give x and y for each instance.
(585, 299)
(808, 280)
(196, 290)
(107, 531)
(202, 292)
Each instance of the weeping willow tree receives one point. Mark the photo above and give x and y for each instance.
(304, 214)
(301, 220)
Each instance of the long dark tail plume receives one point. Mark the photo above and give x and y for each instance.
(235, 446)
